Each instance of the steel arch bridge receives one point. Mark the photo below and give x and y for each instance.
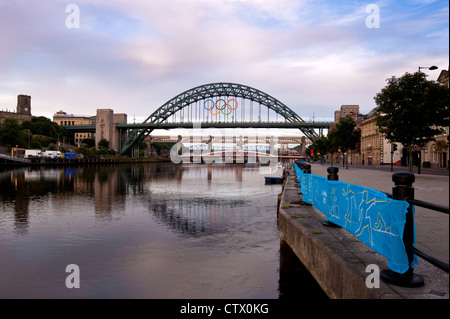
(196, 105)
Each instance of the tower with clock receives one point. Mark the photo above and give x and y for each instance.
(24, 104)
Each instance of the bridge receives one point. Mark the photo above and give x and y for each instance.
(227, 139)
(214, 105)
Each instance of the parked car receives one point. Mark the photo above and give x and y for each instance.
(32, 153)
(51, 154)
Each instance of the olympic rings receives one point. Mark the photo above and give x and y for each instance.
(220, 108)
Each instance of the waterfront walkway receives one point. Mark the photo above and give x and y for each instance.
(432, 228)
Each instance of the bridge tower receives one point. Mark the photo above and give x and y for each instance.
(106, 127)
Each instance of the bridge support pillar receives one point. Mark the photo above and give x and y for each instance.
(303, 146)
(179, 149)
(105, 127)
(209, 144)
(272, 145)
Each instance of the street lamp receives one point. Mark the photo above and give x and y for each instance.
(431, 68)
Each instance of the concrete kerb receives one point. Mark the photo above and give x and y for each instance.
(336, 259)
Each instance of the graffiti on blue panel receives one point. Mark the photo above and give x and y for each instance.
(370, 215)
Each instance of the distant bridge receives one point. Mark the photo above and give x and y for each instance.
(215, 105)
(228, 139)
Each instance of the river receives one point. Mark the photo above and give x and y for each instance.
(139, 231)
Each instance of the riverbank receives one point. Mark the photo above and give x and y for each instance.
(80, 161)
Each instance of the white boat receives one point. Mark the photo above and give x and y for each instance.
(277, 177)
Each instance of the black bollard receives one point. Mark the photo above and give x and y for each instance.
(332, 176)
(333, 173)
(307, 168)
(401, 190)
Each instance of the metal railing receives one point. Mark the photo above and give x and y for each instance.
(13, 158)
(402, 190)
(431, 206)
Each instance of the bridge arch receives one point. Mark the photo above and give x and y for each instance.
(213, 90)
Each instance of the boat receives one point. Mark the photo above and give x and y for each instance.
(277, 177)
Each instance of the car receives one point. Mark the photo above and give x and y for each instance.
(32, 154)
(51, 154)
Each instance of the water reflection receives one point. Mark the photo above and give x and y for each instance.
(19, 187)
(149, 231)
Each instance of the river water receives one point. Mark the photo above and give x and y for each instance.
(139, 231)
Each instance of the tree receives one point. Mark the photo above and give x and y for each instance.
(11, 134)
(410, 110)
(346, 137)
(332, 144)
(89, 142)
(321, 146)
(103, 143)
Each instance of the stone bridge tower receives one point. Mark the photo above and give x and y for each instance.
(105, 127)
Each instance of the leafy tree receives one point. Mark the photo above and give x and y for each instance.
(41, 125)
(410, 110)
(159, 147)
(103, 143)
(321, 146)
(35, 145)
(332, 143)
(37, 133)
(344, 137)
(11, 134)
(42, 140)
(89, 142)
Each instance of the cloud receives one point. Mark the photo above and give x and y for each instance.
(133, 56)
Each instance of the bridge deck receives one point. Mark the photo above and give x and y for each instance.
(230, 124)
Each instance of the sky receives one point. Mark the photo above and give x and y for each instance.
(133, 56)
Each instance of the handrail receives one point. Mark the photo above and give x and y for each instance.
(402, 190)
(435, 262)
(436, 207)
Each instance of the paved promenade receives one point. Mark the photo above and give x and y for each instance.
(432, 228)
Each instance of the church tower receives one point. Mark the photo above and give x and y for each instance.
(24, 104)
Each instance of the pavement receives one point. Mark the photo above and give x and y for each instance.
(432, 228)
(398, 168)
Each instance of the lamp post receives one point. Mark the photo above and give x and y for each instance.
(431, 68)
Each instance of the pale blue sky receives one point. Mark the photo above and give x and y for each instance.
(133, 56)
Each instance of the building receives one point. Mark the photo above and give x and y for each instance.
(105, 122)
(23, 110)
(64, 119)
(371, 141)
(347, 111)
(375, 148)
(443, 78)
(436, 153)
(105, 127)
